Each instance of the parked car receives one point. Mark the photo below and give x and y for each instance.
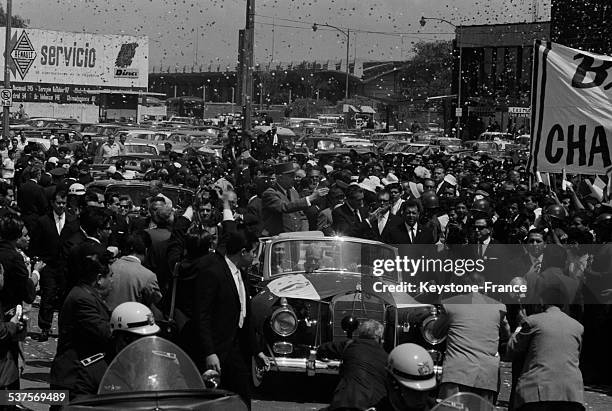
(101, 130)
(312, 289)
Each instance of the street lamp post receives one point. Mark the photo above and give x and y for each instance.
(7, 72)
(423, 21)
(347, 33)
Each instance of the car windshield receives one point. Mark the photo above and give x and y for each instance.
(326, 145)
(140, 149)
(181, 198)
(320, 256)
(151, 364)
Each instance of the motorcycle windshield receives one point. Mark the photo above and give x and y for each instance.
(464, 401)
(151, 364)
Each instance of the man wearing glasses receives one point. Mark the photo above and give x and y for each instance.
(395, 192)
(387, 220)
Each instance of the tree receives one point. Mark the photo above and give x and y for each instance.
(16, 21)
(430, 71)
(307, 107)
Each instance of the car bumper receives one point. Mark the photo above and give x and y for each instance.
(304, 365)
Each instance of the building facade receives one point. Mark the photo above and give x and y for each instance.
(496, 71)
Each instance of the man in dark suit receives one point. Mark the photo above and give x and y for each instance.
(281, 205)
(254, 203)
(386, 221)
(84, 328)
(31, 199)
(94, 230)
(500, 264)
(364, 368)
(225, 341)
(49, 232)
(352, 218)
(409, 231)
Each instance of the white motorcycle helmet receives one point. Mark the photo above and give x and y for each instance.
(76, 189)
(133, 317)
(412, 366)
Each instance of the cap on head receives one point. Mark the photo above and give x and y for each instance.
(284, 168)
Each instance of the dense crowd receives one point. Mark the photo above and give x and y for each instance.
(88, 253)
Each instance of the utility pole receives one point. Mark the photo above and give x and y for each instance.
(7, 73)
(203, 101)
(247, 66)
(272, 57)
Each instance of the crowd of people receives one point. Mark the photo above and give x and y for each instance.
(88, 253)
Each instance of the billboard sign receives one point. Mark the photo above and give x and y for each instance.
(98, 60)
(572, 111)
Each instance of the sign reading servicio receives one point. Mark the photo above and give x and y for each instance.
(65, 58)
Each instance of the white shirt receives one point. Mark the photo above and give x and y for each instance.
(412, 232)
(382, 221)
(240, 288)
(395, 207)
(8, 168)
(485, 244)
(60, 221)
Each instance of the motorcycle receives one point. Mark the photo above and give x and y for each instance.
(464, 401)
(154, 373)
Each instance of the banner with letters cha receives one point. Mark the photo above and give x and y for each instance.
(571, 114)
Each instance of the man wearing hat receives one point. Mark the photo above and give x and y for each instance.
(281, 205)
(57, 175)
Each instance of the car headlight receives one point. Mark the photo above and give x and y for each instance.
(427, 328)
(284, 321)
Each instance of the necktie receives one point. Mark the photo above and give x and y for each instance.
(480, 250)
(357, 216)
(242, 297)
(412, 235)
(58, 224)
(537, 266)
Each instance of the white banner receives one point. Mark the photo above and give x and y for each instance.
(54, 57)
(572, 110)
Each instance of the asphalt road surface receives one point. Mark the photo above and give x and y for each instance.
(290, 393)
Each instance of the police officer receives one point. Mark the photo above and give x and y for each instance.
(129, 321)
(410, 378)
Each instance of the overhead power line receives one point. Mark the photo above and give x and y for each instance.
(308, 26)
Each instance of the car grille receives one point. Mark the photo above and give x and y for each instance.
(360, 306)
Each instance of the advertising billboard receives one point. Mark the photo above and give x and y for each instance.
(53, 58)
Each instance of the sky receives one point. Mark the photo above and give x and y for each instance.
(205, 32)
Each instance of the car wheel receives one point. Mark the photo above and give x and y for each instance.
(256, 375)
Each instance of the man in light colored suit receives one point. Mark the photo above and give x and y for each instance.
(282, 206)
(550, 342)
(474, 324)
(132, 281)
